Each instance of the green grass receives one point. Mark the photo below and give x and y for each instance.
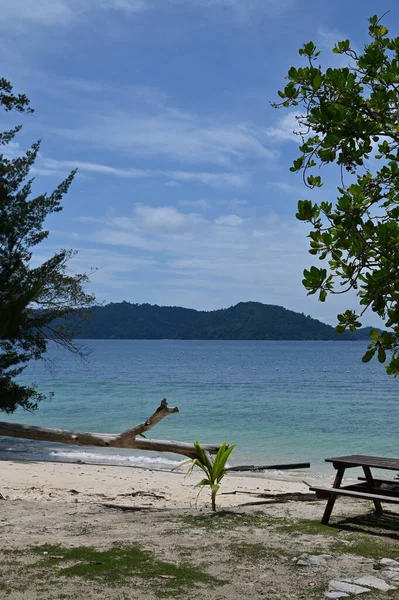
(226, 520)
(362, 545)
(310, 527)
(368, 547)
(118, 565)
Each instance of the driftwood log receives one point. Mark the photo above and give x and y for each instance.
(126, 439)
(255, 468)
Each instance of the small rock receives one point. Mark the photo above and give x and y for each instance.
(315, 560)
(336, 595)
(301, 560)
(374, 582)
(319, 560)
(389, 561)
(348, 588)
(390, 574)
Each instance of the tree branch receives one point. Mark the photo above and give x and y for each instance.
(126, 439)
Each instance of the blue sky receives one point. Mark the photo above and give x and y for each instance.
(183, 195)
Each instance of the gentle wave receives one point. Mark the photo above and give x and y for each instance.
(140, 461)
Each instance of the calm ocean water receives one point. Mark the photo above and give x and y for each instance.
(279, 401)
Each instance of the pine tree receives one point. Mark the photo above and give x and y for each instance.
(32, 298)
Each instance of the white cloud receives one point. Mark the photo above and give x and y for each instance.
(117, 231)
(286, 187)
(172, 135)
(15, 13)
(43, 12)
(218, 179)
(94, 168)
(18, 13)
(286, 128)
(230, 220)
(164, 219)
(188, 256)
(327, 38)
(12, 150)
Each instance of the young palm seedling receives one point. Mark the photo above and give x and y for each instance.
(214, 469)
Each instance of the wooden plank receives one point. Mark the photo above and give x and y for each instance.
(355, 494)
(360, 460)
(381, 480)
(376, 491)
(303, 465)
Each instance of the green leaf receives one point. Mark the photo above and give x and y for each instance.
(374, 335)
(316, 83)
(322, 295)
(381, 355)
(204, 482)
(368, 356)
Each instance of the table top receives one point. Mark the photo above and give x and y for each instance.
(360, 460)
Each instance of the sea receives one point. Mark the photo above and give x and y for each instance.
(279, 401)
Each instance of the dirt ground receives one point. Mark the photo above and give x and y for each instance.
(243, 552)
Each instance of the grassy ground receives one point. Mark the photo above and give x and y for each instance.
(172, 554)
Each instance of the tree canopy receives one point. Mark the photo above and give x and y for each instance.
(349, 116)
(31, 297)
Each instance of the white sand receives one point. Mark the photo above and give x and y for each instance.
(129, 486)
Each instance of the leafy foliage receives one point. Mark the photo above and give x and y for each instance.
(214, 469)
(31, 298)
(351, 118)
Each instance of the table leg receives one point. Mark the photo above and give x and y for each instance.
(333, 497)
(370, 481)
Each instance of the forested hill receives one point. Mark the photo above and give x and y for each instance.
(245, 321)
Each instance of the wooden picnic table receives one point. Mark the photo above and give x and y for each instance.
(368, 488)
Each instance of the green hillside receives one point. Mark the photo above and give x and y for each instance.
(244, 321)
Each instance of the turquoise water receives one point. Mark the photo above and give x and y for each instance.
(279, 401)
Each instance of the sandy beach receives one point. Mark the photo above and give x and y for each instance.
(73, 530)
(68, 482)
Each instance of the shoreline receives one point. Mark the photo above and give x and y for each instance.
(145, 487)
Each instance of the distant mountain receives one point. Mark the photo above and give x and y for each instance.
(244, 321)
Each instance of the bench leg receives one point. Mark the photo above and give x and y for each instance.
(333, 497)
(328, 510)
(370, 481)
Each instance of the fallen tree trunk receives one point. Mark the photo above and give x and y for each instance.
(302, 465)
(126, 439)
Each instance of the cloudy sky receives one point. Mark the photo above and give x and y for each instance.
(183, 195)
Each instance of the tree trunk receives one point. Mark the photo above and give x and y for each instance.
(126, 439)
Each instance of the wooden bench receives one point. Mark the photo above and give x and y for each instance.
(370, 488)
(324, 492)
